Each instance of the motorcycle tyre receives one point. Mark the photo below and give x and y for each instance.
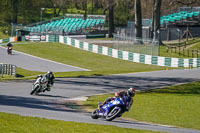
(34, 90)
(9, 52)
(94, 114)
(113, 116)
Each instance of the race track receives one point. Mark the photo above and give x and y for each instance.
(15, 95)
(34, 63)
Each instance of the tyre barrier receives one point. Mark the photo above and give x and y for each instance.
(8, 69)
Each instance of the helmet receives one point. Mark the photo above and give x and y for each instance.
(49, 74)
(131, 92)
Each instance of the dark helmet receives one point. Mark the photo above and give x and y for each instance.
(131, 92)
(49, 74)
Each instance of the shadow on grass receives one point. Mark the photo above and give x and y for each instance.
(19, 76)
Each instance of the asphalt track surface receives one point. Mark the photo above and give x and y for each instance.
(15, 96)
(34, 63)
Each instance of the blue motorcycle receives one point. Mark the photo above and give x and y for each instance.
(112, 109)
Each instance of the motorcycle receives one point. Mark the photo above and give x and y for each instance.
(9, 50)
(40, 85)
(113, 109)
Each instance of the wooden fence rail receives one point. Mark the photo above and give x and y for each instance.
(185, 52)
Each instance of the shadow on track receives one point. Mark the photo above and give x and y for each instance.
(121, 82)
(34, 103)
(47, 95)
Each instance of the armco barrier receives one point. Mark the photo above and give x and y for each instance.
(8, 69)
(134, 57)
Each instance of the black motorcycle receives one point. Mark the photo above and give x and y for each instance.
(9, 50)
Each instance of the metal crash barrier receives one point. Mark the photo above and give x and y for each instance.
(7, 69)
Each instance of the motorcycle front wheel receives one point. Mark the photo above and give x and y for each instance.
(94, 114)
(115, 112)
(34, 90)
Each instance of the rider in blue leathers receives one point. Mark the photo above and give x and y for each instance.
(129, 93)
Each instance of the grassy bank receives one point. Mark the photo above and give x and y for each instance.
(98, 64)
(11, 123)
(177, 105)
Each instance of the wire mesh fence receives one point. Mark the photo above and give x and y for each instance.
(136, 45)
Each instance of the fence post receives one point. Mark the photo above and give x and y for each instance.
(185, 44)
(1, 70)
(179, 51)
(192, 53)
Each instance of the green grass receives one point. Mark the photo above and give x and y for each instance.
(164, 53)
(3, 36)
(10, 123)
(26, 73)
(98, 64)
(196, 46)
(176, 105)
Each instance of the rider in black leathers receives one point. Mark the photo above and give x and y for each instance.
(49, 76)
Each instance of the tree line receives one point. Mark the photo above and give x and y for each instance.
(118, 11)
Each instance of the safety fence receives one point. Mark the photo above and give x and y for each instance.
(130, 56)
(136, 45)
(7, 69)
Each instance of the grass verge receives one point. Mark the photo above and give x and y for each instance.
(176, 105)
(11, 123)
(98, 64)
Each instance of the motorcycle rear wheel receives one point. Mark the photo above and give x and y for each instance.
(113, 114)
(94, 114)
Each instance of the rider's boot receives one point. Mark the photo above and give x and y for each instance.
(99, 105)
(48, 89)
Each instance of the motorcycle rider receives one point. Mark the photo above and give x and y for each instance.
(9, 48)
(49, 77)
(129, 93)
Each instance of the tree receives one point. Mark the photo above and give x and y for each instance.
(15, 10)
(111, 18)
(138, 19)
(156, 20)
(183, 2)
(85, 8)
(58, 4)
(109, 5)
